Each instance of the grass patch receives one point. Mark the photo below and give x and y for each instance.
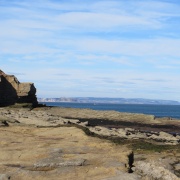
(147, 146)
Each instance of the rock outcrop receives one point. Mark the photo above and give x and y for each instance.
(153, 171)
(130, 133)
(12, 91)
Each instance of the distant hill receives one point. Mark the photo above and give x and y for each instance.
(110, 100)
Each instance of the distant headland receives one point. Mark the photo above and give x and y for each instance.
(109, 100)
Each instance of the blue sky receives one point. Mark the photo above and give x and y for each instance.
(93, 48)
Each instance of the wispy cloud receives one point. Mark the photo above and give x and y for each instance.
(93, 48)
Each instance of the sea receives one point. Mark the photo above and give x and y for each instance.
(172, 111)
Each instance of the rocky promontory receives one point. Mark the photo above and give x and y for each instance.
(13, 92)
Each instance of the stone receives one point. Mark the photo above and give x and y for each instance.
(100, 130)
(129, 129)
(6, 120)
(12, 91)
(74, 121)
(4, 177)
(177, 167)
(53, 165)
(152, 171)
(3, 124)
(122, 132)
(124, 176)
(86, 123)
(165, 137)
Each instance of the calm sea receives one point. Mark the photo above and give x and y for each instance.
(172, 111)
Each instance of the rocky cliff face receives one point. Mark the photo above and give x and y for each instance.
(12, 91)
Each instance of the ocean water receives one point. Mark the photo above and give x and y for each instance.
(172, 111)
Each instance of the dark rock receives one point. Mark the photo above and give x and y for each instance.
(12, 91)
(3, 123)
(130, 162)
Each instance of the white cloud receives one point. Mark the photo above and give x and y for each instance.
(102, 21)
(149, 47)
(117, 41)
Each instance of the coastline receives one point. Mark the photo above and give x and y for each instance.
(125, 136)
(119, 119)
(158, 110)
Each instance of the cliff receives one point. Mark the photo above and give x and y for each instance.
(12, 91)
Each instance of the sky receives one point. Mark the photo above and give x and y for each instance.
(93, 48)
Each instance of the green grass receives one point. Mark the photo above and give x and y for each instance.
(147, 146)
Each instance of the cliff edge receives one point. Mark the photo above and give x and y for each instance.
(13, 92)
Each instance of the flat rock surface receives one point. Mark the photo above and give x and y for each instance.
(35, 146)
(64, 152)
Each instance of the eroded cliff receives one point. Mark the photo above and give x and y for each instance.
(12, 91)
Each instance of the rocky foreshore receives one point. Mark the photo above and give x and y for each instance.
(48, 143)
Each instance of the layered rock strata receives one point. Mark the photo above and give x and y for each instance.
(12, 91)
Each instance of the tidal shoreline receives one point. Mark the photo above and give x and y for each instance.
(171, 129)
(52, 134)
(114, 119)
